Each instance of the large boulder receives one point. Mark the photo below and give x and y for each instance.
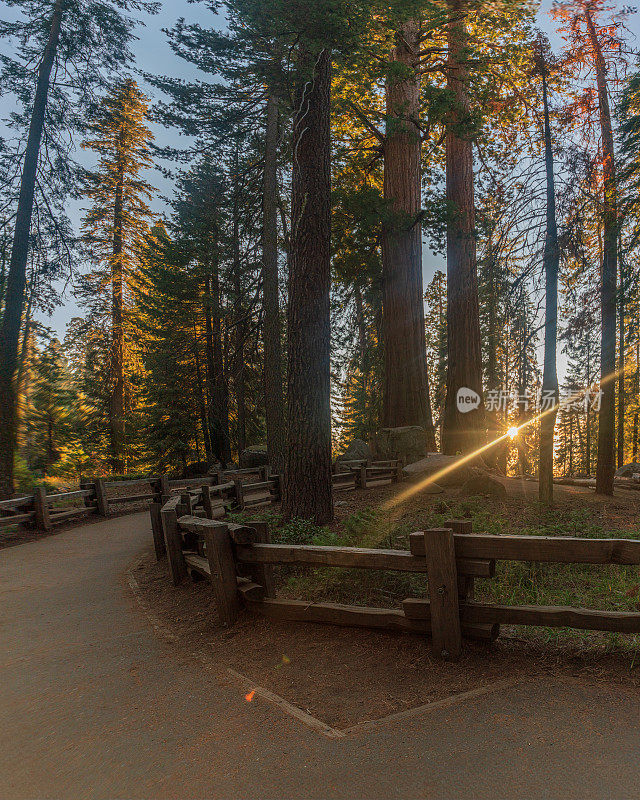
(435, 464)
(409, 443)
(357, 451)
(254, 457)
(482, 484)
(628, 470)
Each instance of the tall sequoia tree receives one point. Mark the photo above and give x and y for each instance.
(76, 42)
(308, 484)
(115, 231)
(551, 260)
(406, 391)
(461, 432)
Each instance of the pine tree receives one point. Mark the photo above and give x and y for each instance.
(115, 230)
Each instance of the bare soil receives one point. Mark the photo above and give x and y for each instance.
(348, 676)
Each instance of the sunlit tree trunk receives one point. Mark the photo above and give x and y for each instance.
(606, 424)
(636, 388)
(308, 482)
(462, 432)
(16, 278)
(621, 365)
(406, 392)
(272, 334)
(551, 260)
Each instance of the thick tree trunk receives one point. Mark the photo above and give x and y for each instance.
(588, 414)
(621, 375)
(406, 391)
(216, 379)
(636, 387)
(272, 334)
(308, 482)
(551, 259)
(462, 432)
(606, 427)
(16, 278)
(117, 399)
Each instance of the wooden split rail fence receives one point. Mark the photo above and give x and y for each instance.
(239, 559)
(244, 489)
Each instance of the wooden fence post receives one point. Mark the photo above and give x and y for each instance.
(41, 508)
(156, 528)
(101, 497)
(239, 493)
(206, 502)
(262, 574)
(165, 491)
(443, 593)
(87, 485)
(362, 476)
(466, 585)
(173, 542)
(186, 505)
(265, 473)
(224, 579)
(217, 477)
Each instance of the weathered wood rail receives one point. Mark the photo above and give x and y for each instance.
(244, 489)
(238, 560)
(43, 511)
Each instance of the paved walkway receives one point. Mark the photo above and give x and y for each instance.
(94, 705)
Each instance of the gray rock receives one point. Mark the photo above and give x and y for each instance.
(435, 463)
(356, 451)
(254, 457)
(409, 444)
(432, 488)
(628, 470)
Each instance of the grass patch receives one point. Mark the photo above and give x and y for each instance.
(607, 588)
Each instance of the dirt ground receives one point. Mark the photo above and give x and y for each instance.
(348, 676)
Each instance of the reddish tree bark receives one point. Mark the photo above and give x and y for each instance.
(406, 390)
(462, 432)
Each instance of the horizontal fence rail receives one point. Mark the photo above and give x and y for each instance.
(229, 490)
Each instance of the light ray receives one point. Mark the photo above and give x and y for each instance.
(436, 476)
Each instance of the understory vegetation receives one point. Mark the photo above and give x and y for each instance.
(610, 588)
